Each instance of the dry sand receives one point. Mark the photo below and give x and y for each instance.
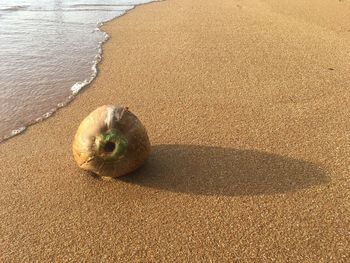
(247, 108)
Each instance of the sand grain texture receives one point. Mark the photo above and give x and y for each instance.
(250, 133)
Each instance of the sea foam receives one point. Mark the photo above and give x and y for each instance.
(50, 51)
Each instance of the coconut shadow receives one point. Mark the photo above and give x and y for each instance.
(203, 170)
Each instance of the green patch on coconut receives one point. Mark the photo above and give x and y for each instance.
(111, 145)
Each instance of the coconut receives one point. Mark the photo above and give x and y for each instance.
(110, 142)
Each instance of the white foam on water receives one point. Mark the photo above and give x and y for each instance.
(79, 85)
(18, 131)
(120, 8)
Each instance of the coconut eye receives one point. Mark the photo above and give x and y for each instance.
(109, 147)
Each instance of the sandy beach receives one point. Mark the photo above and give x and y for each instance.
(246, 104)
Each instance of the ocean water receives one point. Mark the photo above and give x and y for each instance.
(49, 50)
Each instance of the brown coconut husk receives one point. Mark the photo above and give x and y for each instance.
(111, 142)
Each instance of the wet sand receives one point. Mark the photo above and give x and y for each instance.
(247, 109)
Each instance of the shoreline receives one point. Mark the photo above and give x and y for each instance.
(249, 146)
(78, 86)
